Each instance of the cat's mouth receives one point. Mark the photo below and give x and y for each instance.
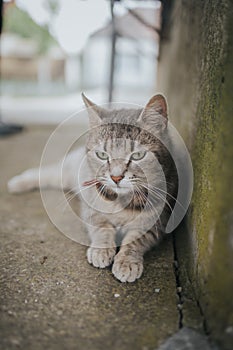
(138, 200)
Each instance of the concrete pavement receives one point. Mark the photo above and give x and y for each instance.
(51, 297)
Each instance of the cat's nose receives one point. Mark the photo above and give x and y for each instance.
(117, 179)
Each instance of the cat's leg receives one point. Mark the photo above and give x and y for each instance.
(103, 247)
(128, 263)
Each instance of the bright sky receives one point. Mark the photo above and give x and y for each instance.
(76, 20)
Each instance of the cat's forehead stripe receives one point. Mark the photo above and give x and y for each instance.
(105, 145)
(115, 131)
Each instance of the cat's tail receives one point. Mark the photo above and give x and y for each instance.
(61, 175)
(47, 177)
(27, 181)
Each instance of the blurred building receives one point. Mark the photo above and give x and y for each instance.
(20, 60)
(136, 51)
(53, 77)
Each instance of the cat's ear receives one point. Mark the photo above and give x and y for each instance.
(155, 113)
(93, 111)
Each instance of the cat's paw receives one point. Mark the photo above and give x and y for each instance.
(100, 257)
(23, 182)
(127, 268)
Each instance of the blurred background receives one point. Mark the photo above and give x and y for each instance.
(51, 50)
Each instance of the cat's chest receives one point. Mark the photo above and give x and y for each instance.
(112, 209)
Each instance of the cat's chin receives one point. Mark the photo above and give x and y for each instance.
(120, 190)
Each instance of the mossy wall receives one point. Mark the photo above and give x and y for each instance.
(195, 72)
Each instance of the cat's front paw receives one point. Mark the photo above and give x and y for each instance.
(127, 268)
(100, 257)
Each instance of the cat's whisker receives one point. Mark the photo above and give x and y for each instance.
(159, 195)
(71, 190)
(163, 198)
(142, 196)
(156, 195)
(150, 206)
(167, 203)
(139, 198)
(101, 191)
(68, 200)
(172, 197)
(166, 182)
(135, 180)
(154, 189)
(65, 201)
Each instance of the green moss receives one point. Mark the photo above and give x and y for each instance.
(213, 198)
(201, 50)
(19, 22)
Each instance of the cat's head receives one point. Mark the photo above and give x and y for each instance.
(124, 147)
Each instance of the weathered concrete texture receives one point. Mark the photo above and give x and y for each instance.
(187, 339)
(51, 298)
(196, 74)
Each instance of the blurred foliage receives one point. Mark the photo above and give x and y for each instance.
(19, 22)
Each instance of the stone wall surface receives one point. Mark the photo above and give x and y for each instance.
(195, 72)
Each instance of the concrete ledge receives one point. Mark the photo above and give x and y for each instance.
(51, 297)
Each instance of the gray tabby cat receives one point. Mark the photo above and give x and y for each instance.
(128, 184)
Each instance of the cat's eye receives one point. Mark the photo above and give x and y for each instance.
(102, 155)
(138, 155)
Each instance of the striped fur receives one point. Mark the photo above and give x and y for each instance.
(141, 211)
